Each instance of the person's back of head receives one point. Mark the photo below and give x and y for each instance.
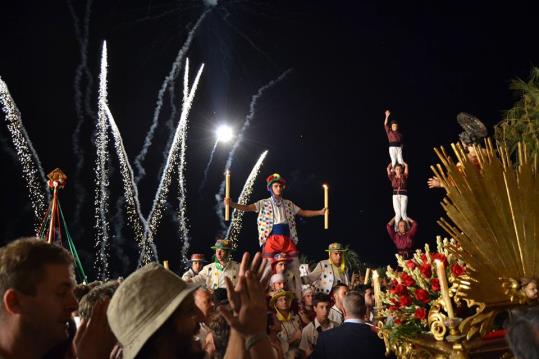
(36, 286)
(95, 295)
(523, 334)
(354, 305)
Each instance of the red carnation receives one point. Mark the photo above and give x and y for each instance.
(425, 270)
(397, 321)
(420, 313)
(407, 280)
(439, 256)
(422, 295)
(410, 264)
(457, 270)
(405, 300)
(399, 289)
(435, 284)
(393, 308)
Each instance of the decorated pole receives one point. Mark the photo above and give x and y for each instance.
(54, 223)
(326, 206)
(227, 194)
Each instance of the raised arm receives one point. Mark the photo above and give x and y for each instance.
(405, 169)
(388, 169)
(242, 207)
(387, 113)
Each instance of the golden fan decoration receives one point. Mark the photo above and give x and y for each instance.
(493, 210)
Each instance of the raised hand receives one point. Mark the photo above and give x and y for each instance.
(247, 300)
(434, 182)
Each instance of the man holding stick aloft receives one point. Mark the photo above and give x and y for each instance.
(276, 223)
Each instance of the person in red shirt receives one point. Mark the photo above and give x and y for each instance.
(395, 138)
(398, 176)
(404, 235)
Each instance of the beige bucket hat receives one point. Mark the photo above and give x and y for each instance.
(143, 303)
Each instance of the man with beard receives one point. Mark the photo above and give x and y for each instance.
(213, 275)
(36, 284)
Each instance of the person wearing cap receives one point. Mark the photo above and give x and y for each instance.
(277, 283)
(213, 275)
(395, 139)
(330, 272)
(290, 333)
(197, 262)
(276, 222)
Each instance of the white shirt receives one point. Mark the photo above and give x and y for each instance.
(279, 216)
(336, 315)
(309, 334)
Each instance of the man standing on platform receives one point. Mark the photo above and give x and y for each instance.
(277, 225)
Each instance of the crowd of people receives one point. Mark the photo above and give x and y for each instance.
(261, 307)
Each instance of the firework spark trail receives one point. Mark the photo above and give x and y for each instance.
(167, 83)
(203, 183)
(219, 196)
(160, 200)
(237, 216)
(101, 192)
(81, 71)
(32, 171)
(134, 214)
(183, 228)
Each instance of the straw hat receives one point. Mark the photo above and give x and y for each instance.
(197, 257)
(222, 244)
(143, 303)
(336, 247)
(279, 294)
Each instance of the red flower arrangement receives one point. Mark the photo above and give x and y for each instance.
(413, 289)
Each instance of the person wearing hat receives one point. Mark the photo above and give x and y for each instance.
(280, 265)
(276, 222)
(153, 315)
(197, 261)
(330, 272)
(213, 275)
(290, 333)
(394, 138)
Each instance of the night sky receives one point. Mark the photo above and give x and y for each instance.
(351, 60)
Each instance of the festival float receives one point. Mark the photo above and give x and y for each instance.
(453, 303)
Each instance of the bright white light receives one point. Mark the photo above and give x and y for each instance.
(224, 133)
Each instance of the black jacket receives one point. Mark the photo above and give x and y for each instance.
(350, 340)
